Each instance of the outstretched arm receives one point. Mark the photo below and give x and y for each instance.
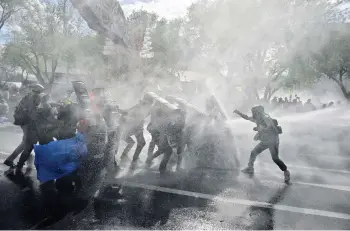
(244, 116)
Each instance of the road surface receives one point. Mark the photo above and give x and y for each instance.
(316, 152)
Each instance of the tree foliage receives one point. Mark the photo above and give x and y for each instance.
(7, 9)
(332, 59)
(44, 41)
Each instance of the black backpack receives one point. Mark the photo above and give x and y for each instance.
(20, 116)
(279, 128)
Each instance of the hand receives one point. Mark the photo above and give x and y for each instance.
(235, 111)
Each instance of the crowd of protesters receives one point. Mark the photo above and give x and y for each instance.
(296, 105)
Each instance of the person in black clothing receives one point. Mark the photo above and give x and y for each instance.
(132, 122)
(168, 132)
(268, 134)
(68, 117)
(25, 116)
(153, 129)
(46, 123)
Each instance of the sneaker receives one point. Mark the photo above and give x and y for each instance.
(248, 170)
(286, 176)
(9, 163)
(18, 171)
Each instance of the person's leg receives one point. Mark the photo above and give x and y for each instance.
(167, 154)
(11, 158)
(65, 184)
(180, 150)
(49, 197)
(140, 144)
(130, 143)
(109, 156)
(28, 148)
(256, 151)
(274, 154)
(274, 150)
(151, 148)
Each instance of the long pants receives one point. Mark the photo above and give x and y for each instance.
(28, 148)
(273, 147)
(167, 151)
(109, 161)
(165, 148)
(25, 147)
(155, 141)
(130, 143)
(58, 196)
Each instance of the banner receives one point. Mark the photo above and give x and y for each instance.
(105, 17)
(59, 158)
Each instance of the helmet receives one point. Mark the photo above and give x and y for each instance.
(37, 88)
(258, 109)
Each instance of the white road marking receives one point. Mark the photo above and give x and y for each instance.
(314, 168)
(328, 186)
(326, 156)
(336, 187)
(285, 208)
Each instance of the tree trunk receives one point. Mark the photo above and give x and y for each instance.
(256, 93)
(267, 92)
(344, 91)
(40, 79)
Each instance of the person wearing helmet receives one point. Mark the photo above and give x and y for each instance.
(25, 116)
(46, 123)
(268, 134)
(132, 123)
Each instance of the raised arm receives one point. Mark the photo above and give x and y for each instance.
(244, 116)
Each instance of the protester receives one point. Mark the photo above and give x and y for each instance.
(268, 134)
(25, 116)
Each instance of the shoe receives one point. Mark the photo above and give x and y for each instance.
(286, 176)
(9, 163)
(18, 171)
(248, 170)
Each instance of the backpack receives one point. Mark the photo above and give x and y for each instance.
(279, 128)
(21, 116)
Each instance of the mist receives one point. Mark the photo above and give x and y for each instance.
(238, 53)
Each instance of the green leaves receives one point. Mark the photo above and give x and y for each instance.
(49, 37)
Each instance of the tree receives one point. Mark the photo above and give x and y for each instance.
(37, 46)
(137, 24)
(254, 41)
(168, 46)
(332, 59)
(46, 39)
(7, 9)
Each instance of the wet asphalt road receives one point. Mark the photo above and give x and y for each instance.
(318, 197)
